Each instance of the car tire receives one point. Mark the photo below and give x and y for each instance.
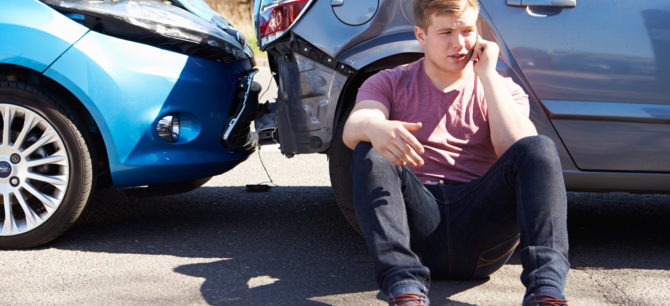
(46, 170)
(339, 166)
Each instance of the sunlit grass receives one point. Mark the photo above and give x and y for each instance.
(238, 12)
(253, 43)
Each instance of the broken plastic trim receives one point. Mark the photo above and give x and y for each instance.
(237, 132)
(155, 23)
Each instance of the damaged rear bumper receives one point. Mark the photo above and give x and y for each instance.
(310, 83)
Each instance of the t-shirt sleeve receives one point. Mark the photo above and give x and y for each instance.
(378, 87)
(519, 96)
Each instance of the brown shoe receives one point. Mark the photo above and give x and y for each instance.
(546, 300)
(411, 298)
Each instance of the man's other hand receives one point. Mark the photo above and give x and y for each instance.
(394, 140)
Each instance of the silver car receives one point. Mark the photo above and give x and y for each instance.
(597, 73)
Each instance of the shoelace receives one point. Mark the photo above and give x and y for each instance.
(547, 300)
(418, 298)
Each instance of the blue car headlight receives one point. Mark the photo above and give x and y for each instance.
(155, 23)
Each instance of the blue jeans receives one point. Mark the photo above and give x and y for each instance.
(465, 231)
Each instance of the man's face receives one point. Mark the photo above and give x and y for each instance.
(448, 41)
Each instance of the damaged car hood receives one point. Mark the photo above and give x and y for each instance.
(186, 26)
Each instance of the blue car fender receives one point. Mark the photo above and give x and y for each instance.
(34, 35)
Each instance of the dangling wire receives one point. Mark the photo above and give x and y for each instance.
(260, 98)
(266, 170)
(267, 87)
(263, 186)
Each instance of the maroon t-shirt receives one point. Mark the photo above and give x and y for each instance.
(455, 130)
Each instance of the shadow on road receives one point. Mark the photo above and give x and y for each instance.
(281, 247)
(291, 244)
(632, 228)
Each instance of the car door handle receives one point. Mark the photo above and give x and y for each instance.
(335, 3)
(549, 3)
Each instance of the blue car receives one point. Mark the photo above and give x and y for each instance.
(114, 93)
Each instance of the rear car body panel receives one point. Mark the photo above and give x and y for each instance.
(596, 73)
(320, 54)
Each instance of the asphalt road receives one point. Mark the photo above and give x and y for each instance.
(290, 246)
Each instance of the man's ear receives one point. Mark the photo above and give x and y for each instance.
(419, 34)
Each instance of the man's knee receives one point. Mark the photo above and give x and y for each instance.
(365, 151)
(361, 150)
(366, 158)
(538, 149)
(538, 141)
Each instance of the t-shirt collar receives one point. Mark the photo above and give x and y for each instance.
(457, 89)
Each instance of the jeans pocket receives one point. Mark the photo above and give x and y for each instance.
(493, 258)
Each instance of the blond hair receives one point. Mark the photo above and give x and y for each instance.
(424, 8)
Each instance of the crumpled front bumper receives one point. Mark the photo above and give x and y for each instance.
(237, 132)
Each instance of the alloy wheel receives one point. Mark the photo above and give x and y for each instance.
(34, 170)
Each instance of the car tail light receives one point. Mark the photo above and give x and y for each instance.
(277, 16)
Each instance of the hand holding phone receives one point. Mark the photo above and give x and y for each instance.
(484, 56)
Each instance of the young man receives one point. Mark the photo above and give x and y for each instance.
(449, 174)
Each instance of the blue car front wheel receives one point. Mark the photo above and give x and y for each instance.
(46, 173)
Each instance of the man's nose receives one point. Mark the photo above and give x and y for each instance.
(459, 42)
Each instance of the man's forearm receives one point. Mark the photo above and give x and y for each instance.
(506, 122)
(351, 133)
(354, 129)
